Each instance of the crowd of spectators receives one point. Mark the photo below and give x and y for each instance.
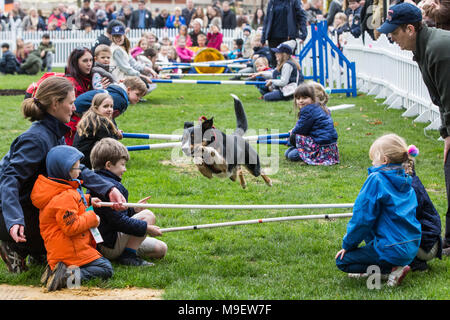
(344, 17)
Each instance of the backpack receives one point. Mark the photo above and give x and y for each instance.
(32, 88)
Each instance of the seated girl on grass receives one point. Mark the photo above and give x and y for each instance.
(313, 140)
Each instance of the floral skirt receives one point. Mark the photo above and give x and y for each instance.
(315, 154)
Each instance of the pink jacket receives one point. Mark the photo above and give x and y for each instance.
(185, 54)
(214, 40)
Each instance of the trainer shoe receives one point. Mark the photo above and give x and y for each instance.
(15, 262)
(46, 275)
(58, 278)
(418, 265)
(134, 261)
(397, 275)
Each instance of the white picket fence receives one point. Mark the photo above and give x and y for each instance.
(67, 40)
(389, 73)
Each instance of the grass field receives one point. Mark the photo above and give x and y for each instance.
(287, 260)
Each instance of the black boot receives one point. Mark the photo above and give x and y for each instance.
(129, 258)
(14, 259)
(418, 265)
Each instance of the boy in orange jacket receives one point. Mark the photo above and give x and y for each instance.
(67, 225)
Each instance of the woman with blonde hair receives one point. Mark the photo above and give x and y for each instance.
(286, 76)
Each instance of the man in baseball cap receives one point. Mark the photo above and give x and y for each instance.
(430, 47)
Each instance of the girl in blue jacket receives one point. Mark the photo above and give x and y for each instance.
(314, 138)
(384, 216)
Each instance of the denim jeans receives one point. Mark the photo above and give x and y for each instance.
(292, 154)
(47, 61)
(360, 259)
(275, 95)
(100, 268)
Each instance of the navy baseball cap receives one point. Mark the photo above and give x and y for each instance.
(399, 14)
(118, 30)
(282, 48)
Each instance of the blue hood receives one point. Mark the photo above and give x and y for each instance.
(60, 160)
(395, 174)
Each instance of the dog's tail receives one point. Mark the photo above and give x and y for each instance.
(241, 118)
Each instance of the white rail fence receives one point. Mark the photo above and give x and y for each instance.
(67, 40)
(389, 73)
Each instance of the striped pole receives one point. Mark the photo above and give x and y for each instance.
(210, 65)
(255, 221)
(271, 141)
(168, 145)
(172, 137)
(230, 206)
(175, 137)
(208, 81)
(213, 74)
(214, 62)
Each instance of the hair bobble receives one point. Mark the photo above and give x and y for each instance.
(413, 151)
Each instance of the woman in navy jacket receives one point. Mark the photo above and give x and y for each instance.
(285, 20)
(19, 221)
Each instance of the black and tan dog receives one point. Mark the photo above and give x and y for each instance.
(218, 154)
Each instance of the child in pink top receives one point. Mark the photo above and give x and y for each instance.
(184, 53)
(214, 37)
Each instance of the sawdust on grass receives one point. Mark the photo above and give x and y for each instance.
(10, 292)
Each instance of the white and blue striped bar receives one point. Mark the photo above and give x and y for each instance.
(203, 62)
(208, 81)
(177, 137)
(271, 141)
(169, 145)
(211, 74)
(171, 137)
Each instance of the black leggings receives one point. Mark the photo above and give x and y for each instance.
(34, 244)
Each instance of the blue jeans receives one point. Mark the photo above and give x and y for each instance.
(100, 268)
(358, 260)
(275, 95)
(292, 154)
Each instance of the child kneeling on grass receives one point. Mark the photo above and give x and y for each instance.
(65, 221)
(124, 233)
(313, 140)
(384, 216)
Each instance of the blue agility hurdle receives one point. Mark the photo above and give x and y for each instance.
(329, 65)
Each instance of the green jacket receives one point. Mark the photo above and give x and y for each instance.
(33, 63)
(433, 57)
(49, 48)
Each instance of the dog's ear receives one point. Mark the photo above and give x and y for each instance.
(188, 125)
(207, 124)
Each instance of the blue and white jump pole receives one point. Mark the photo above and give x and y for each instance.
(266, 139)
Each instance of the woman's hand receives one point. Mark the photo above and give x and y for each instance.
(340, 254)
(17, 232)
(268, 83)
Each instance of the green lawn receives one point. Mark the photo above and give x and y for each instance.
(287, 260)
